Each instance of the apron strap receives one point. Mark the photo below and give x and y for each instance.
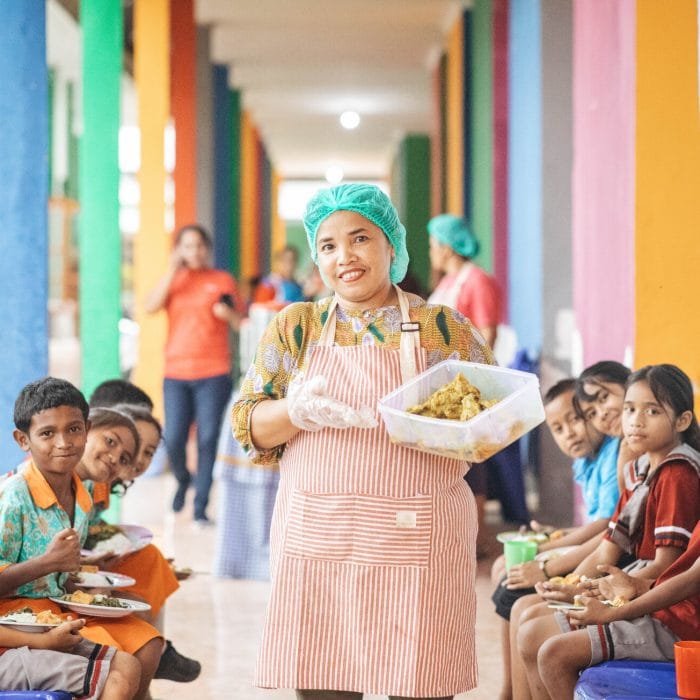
(410, 334)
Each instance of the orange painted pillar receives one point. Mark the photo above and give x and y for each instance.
(152, 243)
(279, 231)
(667, 182)
(183, 95)
(454, 186)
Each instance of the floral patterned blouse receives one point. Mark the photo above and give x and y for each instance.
(30, 517)
(285, 347)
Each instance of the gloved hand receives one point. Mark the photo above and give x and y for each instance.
(310, 407)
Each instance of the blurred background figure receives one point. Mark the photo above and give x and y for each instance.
(464, 285)
(201, 304)
(280, 286)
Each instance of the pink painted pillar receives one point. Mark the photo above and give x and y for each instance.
(603, 176)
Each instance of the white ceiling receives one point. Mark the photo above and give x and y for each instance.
(300, 63)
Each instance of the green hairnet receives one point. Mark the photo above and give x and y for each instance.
(368, 201)
(454, 232)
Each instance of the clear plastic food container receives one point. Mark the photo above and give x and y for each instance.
(518, 411)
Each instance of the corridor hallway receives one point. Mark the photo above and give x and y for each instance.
(218, 621)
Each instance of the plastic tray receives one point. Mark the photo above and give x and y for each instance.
(518, 411)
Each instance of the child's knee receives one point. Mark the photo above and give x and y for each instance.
(529, 640)
(125, 672)
(551, 656)
(521, 610)
(149, 656)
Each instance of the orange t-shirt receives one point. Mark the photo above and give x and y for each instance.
(198, 342)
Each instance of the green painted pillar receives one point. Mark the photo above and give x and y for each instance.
(71, 185)
(413, 200)
(99, 235)
(482, 130)
(235, 181)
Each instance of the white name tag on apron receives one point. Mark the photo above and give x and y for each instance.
(405, 518)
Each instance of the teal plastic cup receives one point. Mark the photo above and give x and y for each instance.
(518, 552)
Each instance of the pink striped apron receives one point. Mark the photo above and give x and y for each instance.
(372, 548)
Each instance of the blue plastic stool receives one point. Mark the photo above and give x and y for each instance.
(621, 680)
(34, 695)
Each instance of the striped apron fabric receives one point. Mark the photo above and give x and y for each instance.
(372, 548)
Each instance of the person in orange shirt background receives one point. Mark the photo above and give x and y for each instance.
(201, 303)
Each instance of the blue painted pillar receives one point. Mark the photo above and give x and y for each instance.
(24, 173)
(525, 173)
(222, 168)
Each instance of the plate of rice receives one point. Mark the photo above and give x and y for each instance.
(99, 605)
(116, 539)
(26, 620)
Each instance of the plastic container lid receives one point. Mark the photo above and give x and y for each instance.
(518, 411)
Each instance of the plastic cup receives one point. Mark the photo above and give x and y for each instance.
(688, 669)
(518, 552)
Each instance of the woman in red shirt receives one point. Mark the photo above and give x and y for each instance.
(201, 304)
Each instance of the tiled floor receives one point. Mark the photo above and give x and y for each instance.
(218, 621)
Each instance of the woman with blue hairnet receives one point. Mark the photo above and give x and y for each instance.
(476, 295)
(372, 544)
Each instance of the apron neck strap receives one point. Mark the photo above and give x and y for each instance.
(410, 334)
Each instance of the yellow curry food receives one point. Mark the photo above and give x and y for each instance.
(456, 400)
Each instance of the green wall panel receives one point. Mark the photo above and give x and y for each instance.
(100, 241)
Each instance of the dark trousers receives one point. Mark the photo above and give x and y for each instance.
(200, 401)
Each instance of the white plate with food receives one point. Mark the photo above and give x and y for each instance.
(530, 536)
(103, 579)
(574, 606)
(29, 621)
(554, 553)
(117, 539)
(99, 605)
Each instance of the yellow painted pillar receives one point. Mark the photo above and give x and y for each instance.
(279, 230)
(454, 186)
(152, 243)
(667, 251)
(250, 198)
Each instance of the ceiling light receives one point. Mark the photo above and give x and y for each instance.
(334, 174)
(350, 119)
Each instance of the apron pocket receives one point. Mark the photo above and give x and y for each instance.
(366, 530)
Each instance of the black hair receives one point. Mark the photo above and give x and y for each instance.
(556, 390)
(116, 391)
(43, 394)
(138, 412)
(197, 228)
(101, 417)
(606, 371)
(671, 386)
(287, 249)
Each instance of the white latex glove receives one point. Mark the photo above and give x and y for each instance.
(310, 407)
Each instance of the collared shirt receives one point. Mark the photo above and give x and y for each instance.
(99, 493)
(31, 517)
(597, 477)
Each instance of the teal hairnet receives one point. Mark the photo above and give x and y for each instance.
(370, 202)
(454, 232)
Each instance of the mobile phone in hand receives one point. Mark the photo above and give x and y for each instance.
(226, 299)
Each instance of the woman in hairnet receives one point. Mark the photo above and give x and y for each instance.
(373, 555)
(464, 286)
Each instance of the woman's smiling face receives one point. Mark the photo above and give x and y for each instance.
(354, 256)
